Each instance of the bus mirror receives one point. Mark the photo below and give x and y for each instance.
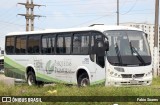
(106, 45)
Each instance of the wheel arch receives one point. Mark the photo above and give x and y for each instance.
(28, 69)
(82, 70)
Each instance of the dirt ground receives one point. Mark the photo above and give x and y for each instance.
(7, 80)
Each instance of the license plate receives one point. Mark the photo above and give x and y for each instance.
(133, 82)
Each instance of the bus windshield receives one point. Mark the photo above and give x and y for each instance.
(128, 48)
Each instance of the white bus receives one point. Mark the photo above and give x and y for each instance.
(2, 64)
(114, 55)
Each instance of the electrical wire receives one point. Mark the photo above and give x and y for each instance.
(130, 8)
(91, 20)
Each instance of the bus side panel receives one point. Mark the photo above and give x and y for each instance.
(12, 68)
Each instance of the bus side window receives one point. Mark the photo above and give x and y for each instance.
(53, 44)
(21, 45)
(81, 43)
(85, 44)
(63, 44)
(67, 44)
(49, 47)
(10, 45)
(44, 45)
(76, 44)
(33, 44)
(92, 49)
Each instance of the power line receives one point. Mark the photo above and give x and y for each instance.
(91, 20)
(130, 8)
(17, 24)
(86, 2)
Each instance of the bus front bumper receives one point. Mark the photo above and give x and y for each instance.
(128, 81)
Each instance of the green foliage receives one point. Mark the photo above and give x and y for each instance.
(63, 90)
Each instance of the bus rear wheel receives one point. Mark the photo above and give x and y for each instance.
(31, 79)
(83, 80)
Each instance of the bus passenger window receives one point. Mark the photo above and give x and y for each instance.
(76, 44)
(63, 44)
(67, 44)
(59, 48)
(49, 47)
(21, 45)
(10, 45)
(44, 45)
(33, 44)
(53, 44)
(85, 44)
(81, 43)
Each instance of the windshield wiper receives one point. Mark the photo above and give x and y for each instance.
(137, 54)
(118, 54)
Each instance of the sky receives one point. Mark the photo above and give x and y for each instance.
(73, 13)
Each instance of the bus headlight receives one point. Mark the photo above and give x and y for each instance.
(113, 74)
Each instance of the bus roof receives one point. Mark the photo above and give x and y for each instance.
(100, 28)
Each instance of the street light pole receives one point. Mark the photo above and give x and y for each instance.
(117, 12)
(156, 33)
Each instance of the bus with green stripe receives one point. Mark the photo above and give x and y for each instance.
(109, 55)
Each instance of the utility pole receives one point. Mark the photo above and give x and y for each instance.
(30, 14)
(156, 37)
(117, 12)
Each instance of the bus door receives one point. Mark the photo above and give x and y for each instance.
(98, 54)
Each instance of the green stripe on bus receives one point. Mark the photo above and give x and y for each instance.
(14, 69)
(13, 63)
(17, 68)
(43, 77)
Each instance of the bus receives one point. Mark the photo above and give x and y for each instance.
(99, 54)
(2, 64)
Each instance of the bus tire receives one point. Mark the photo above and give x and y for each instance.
(39, 83)
(31, 79)
(83, 80)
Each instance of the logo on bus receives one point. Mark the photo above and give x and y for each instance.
(49, 67)
(59, 66)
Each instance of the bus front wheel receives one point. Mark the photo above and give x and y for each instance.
(83, 80)
(31, 79)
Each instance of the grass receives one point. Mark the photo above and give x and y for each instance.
(62, 90)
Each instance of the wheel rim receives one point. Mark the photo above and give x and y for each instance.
(84, 82)
(30, 80)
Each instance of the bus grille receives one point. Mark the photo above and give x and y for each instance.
(139, 75)
(126, 75)
(132, 75)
